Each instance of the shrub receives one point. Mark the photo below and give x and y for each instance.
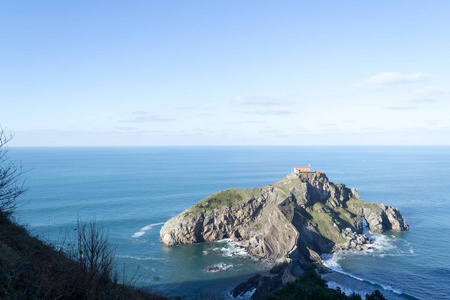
(310, 286)
(11, 183)
(93, 252)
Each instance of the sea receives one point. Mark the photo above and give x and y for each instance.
(132, 191)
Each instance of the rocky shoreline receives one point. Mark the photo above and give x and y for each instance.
(291, 222)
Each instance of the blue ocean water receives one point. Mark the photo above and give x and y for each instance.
(133, 191)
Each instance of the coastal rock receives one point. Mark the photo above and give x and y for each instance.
(260, 285)
(294, 220)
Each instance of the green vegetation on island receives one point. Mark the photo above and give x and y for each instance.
(222, 199)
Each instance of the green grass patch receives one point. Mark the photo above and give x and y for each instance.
(287, 184)
(223, 199)
(348, 218)
(281, 192)
(354, 205)
(324, 224)
(256, 227)
(287, 211)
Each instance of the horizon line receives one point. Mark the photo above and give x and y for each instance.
(143, 146)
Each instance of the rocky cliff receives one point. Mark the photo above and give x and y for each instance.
(293, 220)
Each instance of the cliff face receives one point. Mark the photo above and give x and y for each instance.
(295, 219)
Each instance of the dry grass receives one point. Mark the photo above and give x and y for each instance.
(32, 269)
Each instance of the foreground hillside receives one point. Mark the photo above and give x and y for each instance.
(31, 269)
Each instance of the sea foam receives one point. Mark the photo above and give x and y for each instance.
(229, 249)
(140, 258)
(346, 290)
(383, 245)
(144, 229)
(219, 267)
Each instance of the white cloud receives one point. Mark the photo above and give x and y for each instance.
(126, 128)
(185, 108)
(142, 117)
(269, 132)
(434, 122)
(272, 111)
(266, 106)
(390, 80)
(259, 101)
(327, 124)
(401, 107)
(429, 94)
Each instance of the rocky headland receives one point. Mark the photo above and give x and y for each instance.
(292, 222)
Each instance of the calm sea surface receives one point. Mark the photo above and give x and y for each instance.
(133, 191)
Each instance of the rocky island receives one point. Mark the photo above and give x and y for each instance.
(292, 221)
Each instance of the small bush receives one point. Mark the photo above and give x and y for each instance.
(11, 182)
(93, 252)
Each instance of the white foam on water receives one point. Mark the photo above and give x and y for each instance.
(235, 251)
(231, 248)
(383, 242)
(383, 245)
(148, 227)
(245, 296)
(386, 245)
(219, 267)
(140, 258)
(348, 291)
(41, 225)
(331, 261)
(145, 229)
(391, 288)
(333, 285)
(138, 234)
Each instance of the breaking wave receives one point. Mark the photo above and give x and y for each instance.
(145, 229)
(383, 245)
(228, 249)
(346, 290)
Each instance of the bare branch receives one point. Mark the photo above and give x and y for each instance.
(11, 182)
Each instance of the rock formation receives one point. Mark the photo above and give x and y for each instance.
(294, 220)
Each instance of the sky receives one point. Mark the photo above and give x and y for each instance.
(175, 73)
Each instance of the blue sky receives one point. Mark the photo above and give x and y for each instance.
(116, 73)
